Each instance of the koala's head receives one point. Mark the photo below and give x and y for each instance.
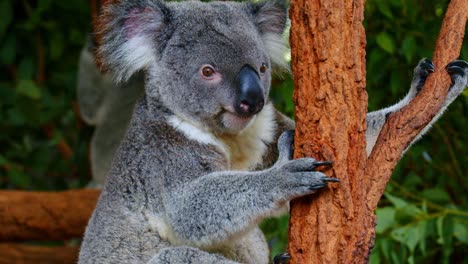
(209, 63)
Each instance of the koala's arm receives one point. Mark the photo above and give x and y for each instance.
(215, 207)
(92, 86)
(458, 71)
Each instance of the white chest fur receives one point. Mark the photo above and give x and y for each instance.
(245, 150)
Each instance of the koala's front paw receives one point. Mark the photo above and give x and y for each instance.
(297, 177)
(424, 68)
(458, 71)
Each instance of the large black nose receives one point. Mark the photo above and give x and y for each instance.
(250, 99)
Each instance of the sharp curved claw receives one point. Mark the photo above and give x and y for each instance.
(282, 258)
(453, 69)
(329, 179)
(327, 164)
(427, 65)
(459, 63)
(424, 68)
(317, 186)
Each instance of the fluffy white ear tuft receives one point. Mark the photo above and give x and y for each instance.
(271, 18)
(277, 47)
(130, 31)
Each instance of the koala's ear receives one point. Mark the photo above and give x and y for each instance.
(129, 33)
(270, 18)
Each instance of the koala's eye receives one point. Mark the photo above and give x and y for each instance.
(207, 71)
(263, 68)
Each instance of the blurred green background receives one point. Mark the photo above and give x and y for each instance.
(423, 217)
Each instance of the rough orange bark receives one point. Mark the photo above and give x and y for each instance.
(45, 215)
(337, 225)
(328, 60)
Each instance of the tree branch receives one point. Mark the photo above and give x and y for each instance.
(402, 127)
(17, 253)
(45, 215)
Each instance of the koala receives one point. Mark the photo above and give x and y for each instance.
(108, 107)
(206, 156)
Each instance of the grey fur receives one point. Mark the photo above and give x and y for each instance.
(108, 107)
(376, 120)
(188, 184)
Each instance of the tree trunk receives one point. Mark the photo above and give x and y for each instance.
(337, 225)
(328, 58)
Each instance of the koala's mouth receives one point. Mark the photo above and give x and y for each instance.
(235, 122)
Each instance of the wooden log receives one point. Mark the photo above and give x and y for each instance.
(11, 253)
(45, 215)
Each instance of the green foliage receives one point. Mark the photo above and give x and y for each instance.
(40, 43)
(423, 217)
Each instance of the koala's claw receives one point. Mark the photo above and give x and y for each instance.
(457, 67)
(325, 163)
(457, 70)
(325, 182)
(329, 179)
(282, 258)
(426, 64)
(424, 68)
(317, 186)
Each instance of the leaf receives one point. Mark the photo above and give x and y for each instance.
(408, 214)
(399, 234)
(375, 257)
(395, 257)
(439, 225)
(29, 89)
(385, 219)
(386, 247)
(445, 231)
(437, 195)
(386, 42)
(397, 202)
(409, 48)
(407, 235)
(422, 226)
(413, 238)
(384, 8)
(460, 231)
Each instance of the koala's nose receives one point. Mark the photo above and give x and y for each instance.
(250, 98)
